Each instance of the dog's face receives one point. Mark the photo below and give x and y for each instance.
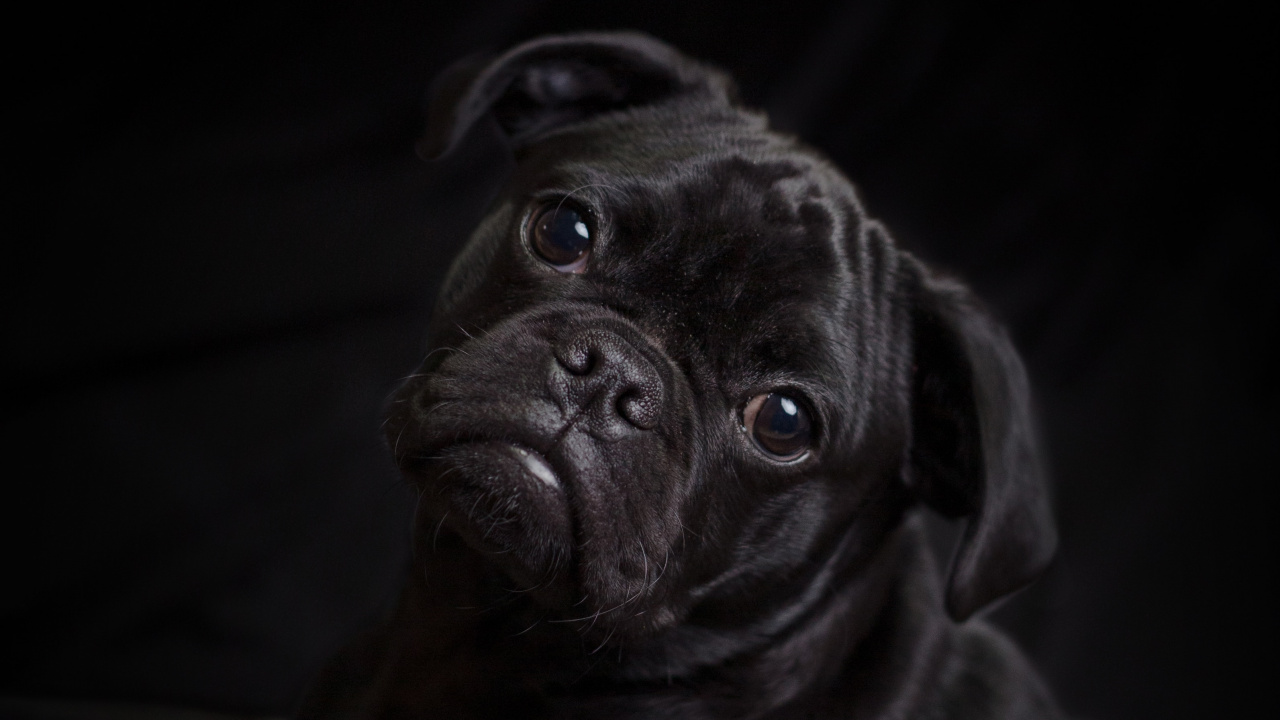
(677, 364)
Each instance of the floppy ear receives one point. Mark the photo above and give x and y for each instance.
(974, 451)
(560, 79)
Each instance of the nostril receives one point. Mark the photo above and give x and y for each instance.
(578, 359)
(640, 407)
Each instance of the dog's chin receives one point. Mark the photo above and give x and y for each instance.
(507, 503)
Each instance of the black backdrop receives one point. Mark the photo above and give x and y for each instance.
(223, 254)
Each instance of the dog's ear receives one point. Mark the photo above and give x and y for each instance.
(559, 79)
(974, 449)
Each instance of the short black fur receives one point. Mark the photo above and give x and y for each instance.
(598, 534)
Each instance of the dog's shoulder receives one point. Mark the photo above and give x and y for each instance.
(916, 662)
(986, 675)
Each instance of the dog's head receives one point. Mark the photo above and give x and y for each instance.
(677, 362)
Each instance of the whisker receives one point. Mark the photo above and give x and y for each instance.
(535, 624)
(436, 534)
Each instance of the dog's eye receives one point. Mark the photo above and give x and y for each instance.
(560, 235)
(779, 424)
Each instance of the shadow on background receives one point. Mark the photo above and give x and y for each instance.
(225, 253)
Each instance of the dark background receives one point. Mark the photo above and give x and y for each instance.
(224, 251)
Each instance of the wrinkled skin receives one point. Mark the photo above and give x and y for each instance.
(601, 535)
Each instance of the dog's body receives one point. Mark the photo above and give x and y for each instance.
(685, 397)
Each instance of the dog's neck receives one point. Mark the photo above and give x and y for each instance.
(773, 657)
(842, 592)
(778, 654)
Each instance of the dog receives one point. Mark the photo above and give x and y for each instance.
(686, 401)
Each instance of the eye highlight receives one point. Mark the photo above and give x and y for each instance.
(779, 424)
(561, 235)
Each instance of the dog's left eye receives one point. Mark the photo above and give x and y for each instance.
(779, 424)
(560, 235)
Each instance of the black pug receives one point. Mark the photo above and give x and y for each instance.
(684, 398)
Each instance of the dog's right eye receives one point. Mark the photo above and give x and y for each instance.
(779, 425)
(561, 235)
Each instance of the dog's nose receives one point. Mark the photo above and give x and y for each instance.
(602, 371)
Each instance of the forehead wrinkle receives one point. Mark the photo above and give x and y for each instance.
(711, 233)
(647, 151)
(649, 189)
